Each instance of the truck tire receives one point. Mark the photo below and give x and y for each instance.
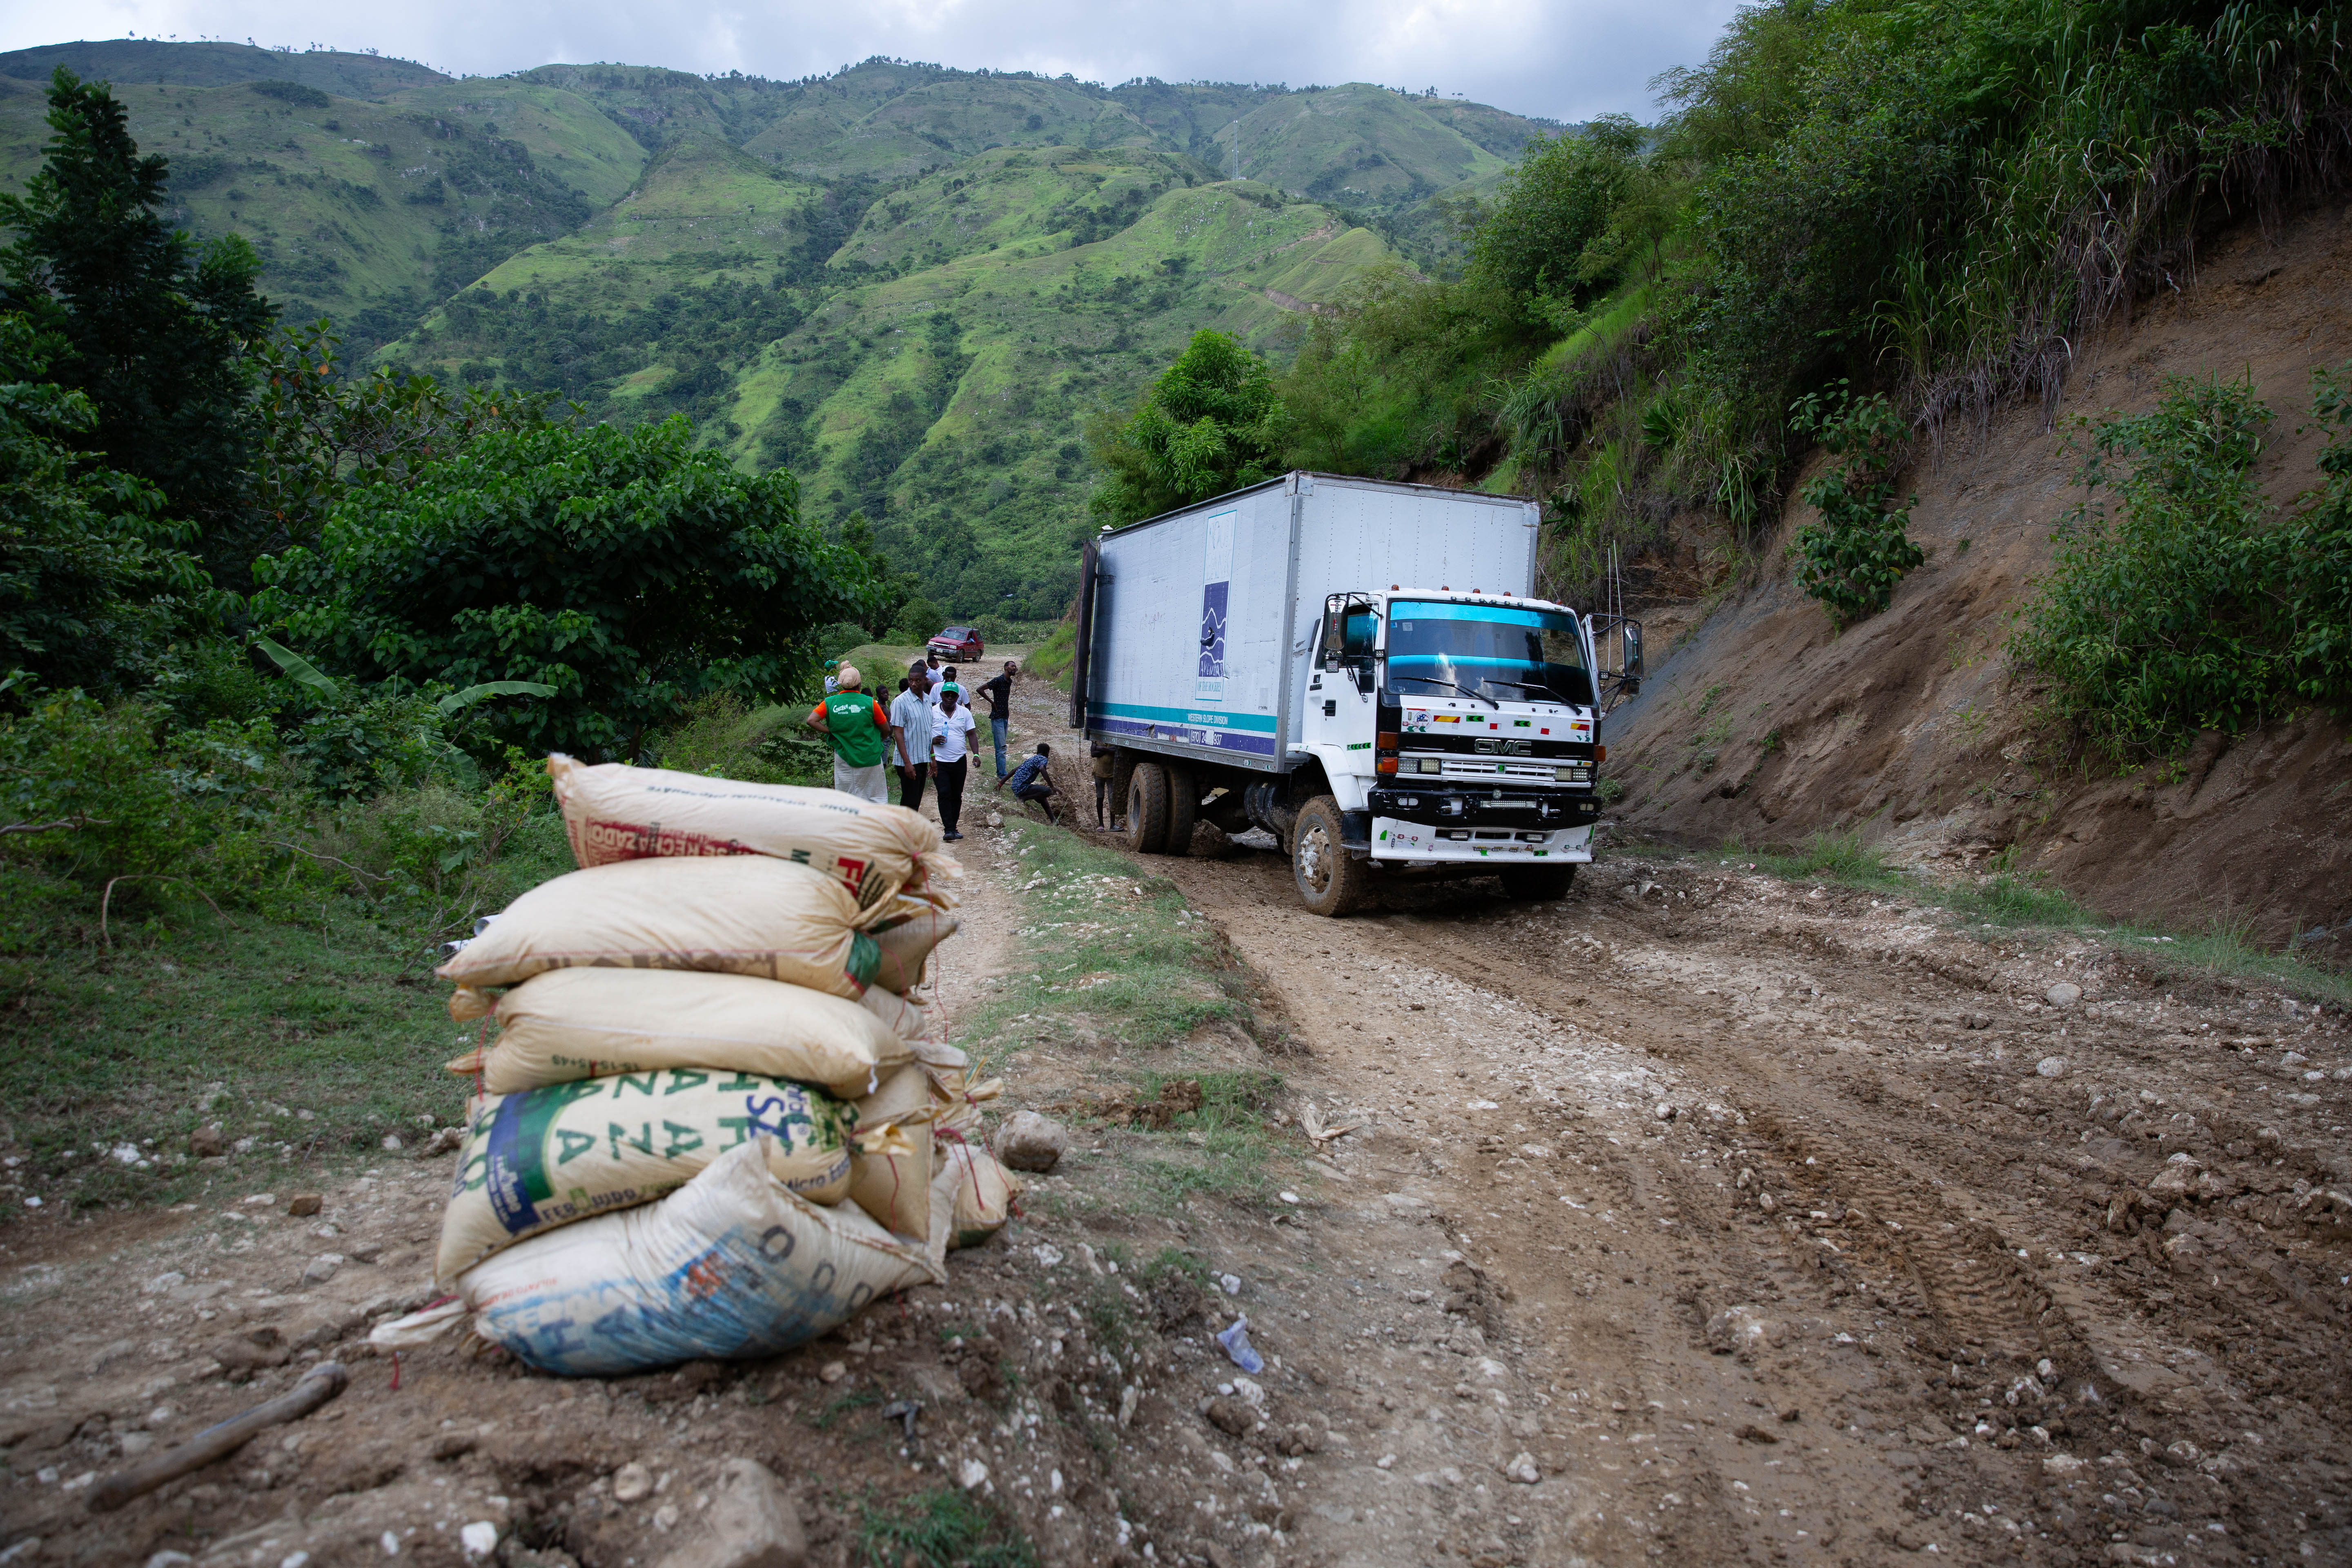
(1537, 884)
(1147, 809)
(1330, 881)
(1183, 809)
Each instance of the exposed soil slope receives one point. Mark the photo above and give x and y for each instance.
(1762, 724)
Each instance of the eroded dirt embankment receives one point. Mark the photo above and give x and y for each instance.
(1764, 726)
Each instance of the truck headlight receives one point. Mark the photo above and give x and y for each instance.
(1581, 772)
(1432, 766)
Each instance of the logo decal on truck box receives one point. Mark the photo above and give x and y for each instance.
(1216, 581)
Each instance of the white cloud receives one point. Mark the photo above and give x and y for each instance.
(1569, 59)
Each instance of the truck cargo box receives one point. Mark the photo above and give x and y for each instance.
(1195, 626)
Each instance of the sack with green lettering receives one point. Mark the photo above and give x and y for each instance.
(549, 1156)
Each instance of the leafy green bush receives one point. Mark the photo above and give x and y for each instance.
(629, 571)
(1210, 424)
(1555, 204)
(1050, 660)
(324, 433)
(2186, 603)
(721, 737)
(838, 638)
(1399, 376)
(1852, 559)
(917, 621)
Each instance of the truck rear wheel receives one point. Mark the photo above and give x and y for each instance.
(1330, 881)
(1183, 809)
(1537, 884)
(1147, 809)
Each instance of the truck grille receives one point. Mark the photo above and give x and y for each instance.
(1412, 765)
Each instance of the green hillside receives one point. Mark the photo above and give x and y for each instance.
(1356, 144)
(911, 284)
(364, 211)
(126, 62)
(937, 375)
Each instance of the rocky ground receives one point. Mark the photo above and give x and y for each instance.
(1700, 1217)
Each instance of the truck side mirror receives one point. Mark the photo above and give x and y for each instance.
(1332, 637)
(1633, 640)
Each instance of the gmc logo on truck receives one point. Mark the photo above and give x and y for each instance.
(1489, 746)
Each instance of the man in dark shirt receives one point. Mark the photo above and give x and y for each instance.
(1031, 781)
(999, 693)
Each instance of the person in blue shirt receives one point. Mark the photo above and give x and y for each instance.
(1031, 781)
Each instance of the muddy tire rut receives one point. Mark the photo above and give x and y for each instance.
(1831, 1232)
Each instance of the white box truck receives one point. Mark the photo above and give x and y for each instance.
(1358, 668)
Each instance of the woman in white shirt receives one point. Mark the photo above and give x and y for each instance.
(952, 752)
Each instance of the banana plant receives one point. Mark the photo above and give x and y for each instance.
(456, 700)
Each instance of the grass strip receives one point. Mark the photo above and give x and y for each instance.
(2224, 948)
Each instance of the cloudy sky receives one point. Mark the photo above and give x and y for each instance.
(1566, 58)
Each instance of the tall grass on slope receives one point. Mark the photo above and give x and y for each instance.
(2137, 126)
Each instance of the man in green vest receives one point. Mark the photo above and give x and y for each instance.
(855, 726)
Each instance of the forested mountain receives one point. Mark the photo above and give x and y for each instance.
(909, 284)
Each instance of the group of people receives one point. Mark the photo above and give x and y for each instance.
(927, 733)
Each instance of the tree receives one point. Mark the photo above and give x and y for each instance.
(152, 329)
(1555, 204)
(322, 433)
(890, 589)
(93, 577)
(622, 567)
(1211, 424)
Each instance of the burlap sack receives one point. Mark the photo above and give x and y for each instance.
(905, 948)
(890, 1175)
(984, 1191)
(549, 1157)
(572, 1024)
(897, 1094)
(742, 915)
(888, 857)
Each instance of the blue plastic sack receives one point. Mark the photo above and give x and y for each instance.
(732, 1265)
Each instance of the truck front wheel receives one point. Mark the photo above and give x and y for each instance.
(1537, 884)
(1147, 809)
(1330, 881)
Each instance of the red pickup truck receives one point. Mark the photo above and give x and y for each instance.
(957, 642)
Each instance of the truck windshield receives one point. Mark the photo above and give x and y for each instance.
(1489, 651)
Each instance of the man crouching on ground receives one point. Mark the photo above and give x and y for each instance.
(1030, 781)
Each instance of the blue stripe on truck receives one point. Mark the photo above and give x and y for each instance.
(1188, 718)
(1105, 719)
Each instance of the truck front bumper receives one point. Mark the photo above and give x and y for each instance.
(1480, 823)
(1418, 842)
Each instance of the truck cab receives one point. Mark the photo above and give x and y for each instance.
(1454, 727)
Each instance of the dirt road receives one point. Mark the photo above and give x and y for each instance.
(1699, 1217)
(1807, 1228)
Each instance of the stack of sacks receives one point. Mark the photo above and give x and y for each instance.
(694, 1032)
